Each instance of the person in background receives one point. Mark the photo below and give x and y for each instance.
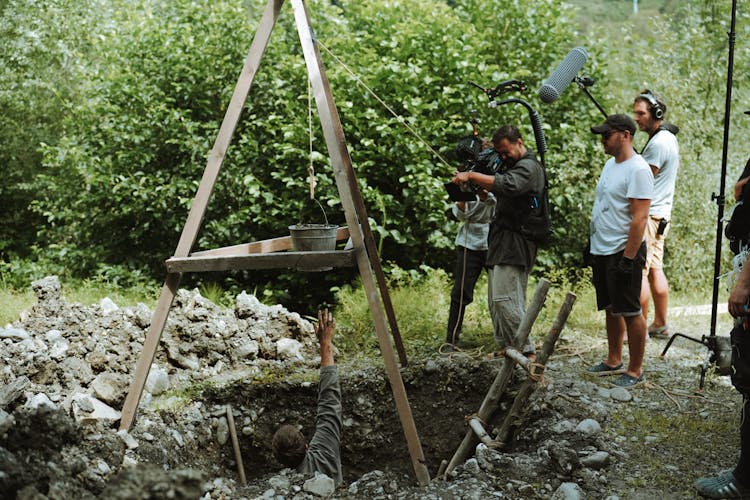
(618, 220)
(323, 453)
(471, 254)
(662, 153)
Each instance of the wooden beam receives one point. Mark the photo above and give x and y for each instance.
(291, 260)
(198, 207)
(502, 379)
(518, 409)
(357, 221)
(158, 320)
(265, 246)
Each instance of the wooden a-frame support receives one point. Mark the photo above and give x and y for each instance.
(258, 255)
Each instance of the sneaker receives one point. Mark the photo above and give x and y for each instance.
(627, 381)
(722, 486)
(658, 332)
(604, 369)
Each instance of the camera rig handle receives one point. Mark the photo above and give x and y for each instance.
(501, 88)
(536, 123)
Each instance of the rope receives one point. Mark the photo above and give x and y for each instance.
(377, 98)
(310, 169)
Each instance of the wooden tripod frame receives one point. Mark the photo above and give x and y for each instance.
(258, 255)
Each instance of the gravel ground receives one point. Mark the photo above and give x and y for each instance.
(579, 436)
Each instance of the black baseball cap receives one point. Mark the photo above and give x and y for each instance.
(620, 122)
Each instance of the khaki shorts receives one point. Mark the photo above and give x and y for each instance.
(654, 244)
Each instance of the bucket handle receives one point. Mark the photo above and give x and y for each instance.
(325, 217)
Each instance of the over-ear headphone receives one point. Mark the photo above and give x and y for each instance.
(657, 108)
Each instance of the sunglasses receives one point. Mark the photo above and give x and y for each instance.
(606, 135)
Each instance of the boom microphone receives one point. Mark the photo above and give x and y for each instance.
(562, 76)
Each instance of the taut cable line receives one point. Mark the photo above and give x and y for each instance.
(383, 103)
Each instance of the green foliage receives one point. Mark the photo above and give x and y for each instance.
(41, 74)
(421, 300)
(110, 110)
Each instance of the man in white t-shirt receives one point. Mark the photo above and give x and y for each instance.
(662, 153)
(618, 220)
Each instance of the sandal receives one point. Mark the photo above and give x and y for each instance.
(627, 381)
(722, 486)
(658, 332)
(604, 369)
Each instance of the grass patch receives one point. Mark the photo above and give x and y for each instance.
(87, 292)
(13, 302)
(672, 448)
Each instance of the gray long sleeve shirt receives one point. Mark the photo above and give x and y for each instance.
(324, 451)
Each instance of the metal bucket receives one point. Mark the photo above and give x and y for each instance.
(313, 237)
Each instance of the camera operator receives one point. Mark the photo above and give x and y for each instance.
(510, 254)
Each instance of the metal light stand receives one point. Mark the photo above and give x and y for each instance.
(718, 346)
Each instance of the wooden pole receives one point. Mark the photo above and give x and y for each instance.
(517, 410)
(344, 174)
(236, 445)
(198, 208)
(478, 428)
(491, 400)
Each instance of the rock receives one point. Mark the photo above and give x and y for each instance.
(430, 366)
(280, 483)
(88, 409)
(471, 466)
(128, 439)
(620, 394)
(247, 306)
(589, 427)
(597, 460)
(37, 400)
(6, 422)
(110, 387)
(320, 485)
(58, 344)
(289, 349)
(108, 306)
(568, 491)
(14, 333)
(563, 426)
(157, 381)
(248, 350)
(222, 431)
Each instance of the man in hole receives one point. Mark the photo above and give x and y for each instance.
(323, 452)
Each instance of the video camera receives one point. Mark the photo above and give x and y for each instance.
(473, 157)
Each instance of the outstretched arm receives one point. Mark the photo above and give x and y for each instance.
(324, 331)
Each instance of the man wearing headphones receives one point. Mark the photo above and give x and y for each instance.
(662, 153)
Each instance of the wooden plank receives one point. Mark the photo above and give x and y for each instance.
(291, 260)
(265, 246)
(198, 207)
(346, 183)
(491, 400)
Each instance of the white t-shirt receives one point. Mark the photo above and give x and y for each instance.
(610, 217)
(663, 152)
